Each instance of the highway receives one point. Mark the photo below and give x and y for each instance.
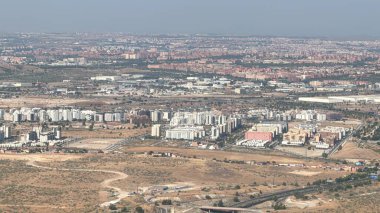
(287, 193)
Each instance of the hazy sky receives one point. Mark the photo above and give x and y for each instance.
(336, 18)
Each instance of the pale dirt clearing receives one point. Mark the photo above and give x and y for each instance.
(94, 143)
(40, 157)
(39, 102)
(304, 173)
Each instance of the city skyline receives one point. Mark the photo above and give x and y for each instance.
(338, 19)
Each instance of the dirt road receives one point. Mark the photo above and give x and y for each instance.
(106, 183)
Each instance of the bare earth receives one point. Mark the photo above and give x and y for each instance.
(351, 151)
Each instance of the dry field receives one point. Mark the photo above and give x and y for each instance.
(219, 155)
(351, 151)
(46, 101)
(78, 184)
(302, 151)
(362, 199)
(219, 178)
(94, 143)
(28, 189)
(106, 133)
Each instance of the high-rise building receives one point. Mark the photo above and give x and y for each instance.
(156, 130)
(7, 132)
(214, 133)
(1, 136)
(57, 132)
(155, 116)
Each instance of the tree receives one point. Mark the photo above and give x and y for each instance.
(125, 209)
(219, 203)
(279, 206)
(139, 209)
(324, 155)
(236, 199)
(112, 207)
(167, 202)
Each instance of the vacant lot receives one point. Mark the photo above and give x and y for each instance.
(28, 189)
(351, 151)
(219, 155)
(106, 133)
(47, 101)
(77, 183)
(94, 143)
(302, 151)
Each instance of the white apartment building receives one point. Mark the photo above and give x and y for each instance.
(156, 130)
(186, 133)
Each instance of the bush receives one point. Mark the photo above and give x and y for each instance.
(208, 197)
(112, 207)
(279, 206)
(124, 209)
(139, 209)
(236, 199)
(167, 202)
(219, 203)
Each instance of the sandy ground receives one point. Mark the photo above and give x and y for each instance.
(38, 101)
(32, 160)
(44, 102)
(220, 155)
(40, 157)
(106, 133)
(146, 172)
(94, 143)
(302, 204)
(304, 173)
(301, 151)
(351, 151)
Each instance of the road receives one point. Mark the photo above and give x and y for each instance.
(106, 183)
(344, 141)
(287, 193)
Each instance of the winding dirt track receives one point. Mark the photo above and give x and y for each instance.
(106, 183)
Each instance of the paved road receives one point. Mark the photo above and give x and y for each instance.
(344, 141)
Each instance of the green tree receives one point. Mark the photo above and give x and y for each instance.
(139, 209)
(113, 207)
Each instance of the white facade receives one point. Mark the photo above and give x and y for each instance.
(156, 130)
(186, 133)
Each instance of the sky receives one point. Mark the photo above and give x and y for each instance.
(310, 18)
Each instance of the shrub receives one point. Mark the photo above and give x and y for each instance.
(279, 206)
(112, 207)
(167, 202)
(139, 209)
